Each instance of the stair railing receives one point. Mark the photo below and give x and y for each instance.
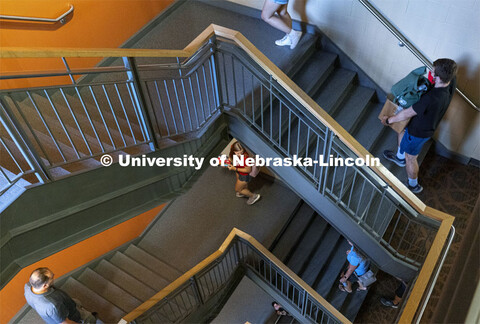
(404, 41)
(196, 287)
(318, 121)
(61, 18)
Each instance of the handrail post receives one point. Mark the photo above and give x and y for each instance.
(196, 290)
(139, 97)
(23, 144)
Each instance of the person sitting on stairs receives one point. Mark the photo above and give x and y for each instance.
(242, 172)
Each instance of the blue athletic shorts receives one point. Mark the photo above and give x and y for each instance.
(280, 2)
(410, 144)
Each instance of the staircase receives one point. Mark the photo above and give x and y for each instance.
(117, 284)
(315, 251)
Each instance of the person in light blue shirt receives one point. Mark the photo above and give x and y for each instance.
(358, 265)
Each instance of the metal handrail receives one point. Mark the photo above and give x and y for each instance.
(407, 43)
(60, 18)
(241, 244)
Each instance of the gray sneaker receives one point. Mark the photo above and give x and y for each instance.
(388, 303)
(239, 195)
(391, 156)
(253, 199)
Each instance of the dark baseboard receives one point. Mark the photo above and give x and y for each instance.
(441, 150)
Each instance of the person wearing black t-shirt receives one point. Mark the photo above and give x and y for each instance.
(426, 114)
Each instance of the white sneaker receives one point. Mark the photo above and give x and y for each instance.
(239, 195)
(294, 36)
(285, 41)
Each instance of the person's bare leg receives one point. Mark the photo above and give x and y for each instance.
(400, 136)
(412, 166)
(285, 16)
(242, 187)
(268, 15)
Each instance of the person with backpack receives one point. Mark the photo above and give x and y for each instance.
(425, 116)
(242, 172)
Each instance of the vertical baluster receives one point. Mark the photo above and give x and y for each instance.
(114, 115)
(135, 104)
(101, 116)
(201, 98)
(171, 107)
(75, 119)
(31, 130)
(227, 95)
(62, 123)
(47, 127)
(82, 102)
(193, 101)
(125, 113)
(178, 104)
(206, 91)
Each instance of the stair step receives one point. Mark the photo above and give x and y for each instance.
(31, 317)
(124, 280)
(92, 301)
(139, 271)
(336, 264)
(355, 106)
(293, 231)
(307, 245)
(335, 89)
(353, 303)
(156, 265)
(108, 290)
(315, 71)
(370, 127)
(321, 256)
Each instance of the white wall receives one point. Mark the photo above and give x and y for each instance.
(439, 28)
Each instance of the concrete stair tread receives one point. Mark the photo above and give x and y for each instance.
(93, 302)
(124, 280)
(31, 317)
(138, 271)
(352, 304)
(370, 127)
(108, 290)
(314, 71)
(334, 89)
(331, 275)
(321, 256)
(293, 231)
(355, 105)
(160, 267)
(307, 244)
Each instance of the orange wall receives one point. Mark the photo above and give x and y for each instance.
(11, 296)
(101, 24)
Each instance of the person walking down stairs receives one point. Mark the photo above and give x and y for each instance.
(275, 13)
(54, 305)
(426, 114)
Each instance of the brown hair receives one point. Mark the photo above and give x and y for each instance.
(445, 69)
(236, 147)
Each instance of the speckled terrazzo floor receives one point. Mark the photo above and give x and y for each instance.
(452, 188)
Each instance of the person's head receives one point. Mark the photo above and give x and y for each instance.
(236, 149)
(41, 279)
(275, 304)
(445, 69)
